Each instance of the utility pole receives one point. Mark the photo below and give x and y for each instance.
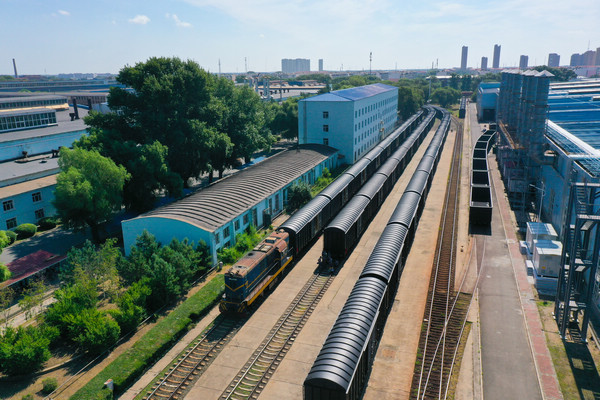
(246, 63)
(370, 61)
(219, 67)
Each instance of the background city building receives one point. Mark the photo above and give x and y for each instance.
(463, 57)
(320, 64)
(523, 62)
(291, 66)
(553, 60)
(496, 60)
(484, 62)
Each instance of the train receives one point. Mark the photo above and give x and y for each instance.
(342, 367)
(251, 276)
(480, 201)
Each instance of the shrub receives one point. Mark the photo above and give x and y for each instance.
(11, 236)
(47, 223)
(4, 273)
(25, 231)
(50, 385)
(4, 239)
(28, 397)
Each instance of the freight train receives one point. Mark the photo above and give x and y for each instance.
(260, 269)
(341, 370)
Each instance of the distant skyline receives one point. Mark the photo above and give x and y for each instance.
(52, 36)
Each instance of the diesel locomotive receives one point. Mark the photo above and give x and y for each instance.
(256, 272)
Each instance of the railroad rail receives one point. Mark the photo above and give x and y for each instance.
(253, 377)
(190, 366)
(446, 309)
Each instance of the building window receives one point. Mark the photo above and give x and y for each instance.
(245, 219)
(8, 205)
(11, 223)
(326, 141)
(226, 233)
(37, 196)
(325, 114)
(236, 224)
(39, 214)
(325, 128)
(217, 237)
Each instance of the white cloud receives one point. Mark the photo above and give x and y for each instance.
(139, 20)
(63, 12)
(178, 22)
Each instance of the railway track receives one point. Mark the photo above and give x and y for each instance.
(253, 377)
(446, 309)
(190, 366)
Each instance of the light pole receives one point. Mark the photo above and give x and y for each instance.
(543, 190)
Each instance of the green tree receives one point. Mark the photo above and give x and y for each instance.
(7, 295)
(410, 99)
(298, 195)
(466, 82)
(93, 330)
(137, 265)
(445, 96)
(71, 300)
(88, 189)
(132, 306)
(25, 350)
(33, 297)
(164, 282)
(285, 120)
(99, 264)
(454, 81)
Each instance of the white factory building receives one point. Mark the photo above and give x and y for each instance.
(350, 120)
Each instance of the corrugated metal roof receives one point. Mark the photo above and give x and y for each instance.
(353, 94)
(219, 203)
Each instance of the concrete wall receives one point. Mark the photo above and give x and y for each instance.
(24, 206)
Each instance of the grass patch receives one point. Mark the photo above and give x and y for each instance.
(130, 365)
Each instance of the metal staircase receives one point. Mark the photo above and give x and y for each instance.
(579, 261)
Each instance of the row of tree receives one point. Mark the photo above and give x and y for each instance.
(104, 296)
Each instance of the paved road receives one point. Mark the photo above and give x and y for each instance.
(507, 362)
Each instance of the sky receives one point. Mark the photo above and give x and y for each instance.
(63, 36)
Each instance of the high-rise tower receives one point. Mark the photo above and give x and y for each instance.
(496, 60)
(463, 59)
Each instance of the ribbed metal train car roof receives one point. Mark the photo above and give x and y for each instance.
(386, 253)
(418, 182)
(336, 364)
(406, 209)
(388, 167)
(337, 186)
(219, 203)
(358, 167)
(426, 164)
(372, 186)
(432, 150)
(400, 153)
(304, 215)
(349, 214)
(373, 153)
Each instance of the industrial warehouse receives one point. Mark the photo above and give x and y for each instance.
(252, 196)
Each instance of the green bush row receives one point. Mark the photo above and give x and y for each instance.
(126, 368)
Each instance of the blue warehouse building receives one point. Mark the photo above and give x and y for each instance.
(487, 100)
(253, 196)
(352, 120)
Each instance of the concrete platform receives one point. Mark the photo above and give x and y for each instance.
(287, 381)
(392, 373)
